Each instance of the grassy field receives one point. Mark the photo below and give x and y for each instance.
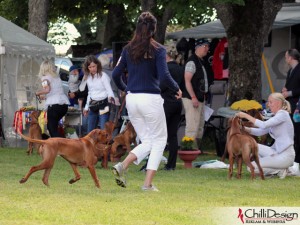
(187, 196)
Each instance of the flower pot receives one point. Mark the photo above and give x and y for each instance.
(188, 157)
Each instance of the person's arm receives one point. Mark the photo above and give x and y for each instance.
(118, 71)
(188, 75)
(106, 82)
(278, 118)
(46, 88)
(246, 116)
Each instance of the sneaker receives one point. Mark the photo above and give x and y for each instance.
(282, 173)
(269, 176)
(151, 188)
(121, 181)
(293, 172)
(119, 173)
(118, 170)
(168, 168)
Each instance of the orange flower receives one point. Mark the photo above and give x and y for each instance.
(187, 143)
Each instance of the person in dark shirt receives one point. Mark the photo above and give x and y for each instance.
(196, 89)
(172, 106)
(291, 91)
(145, 61)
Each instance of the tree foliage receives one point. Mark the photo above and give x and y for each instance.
(15, 11)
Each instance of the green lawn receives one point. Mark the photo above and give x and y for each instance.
(187, 196)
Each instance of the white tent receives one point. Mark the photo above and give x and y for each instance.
(21, 54)
(288, 15)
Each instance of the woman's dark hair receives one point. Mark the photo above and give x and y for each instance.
(294, 53)
(142, 45)
(91, 59)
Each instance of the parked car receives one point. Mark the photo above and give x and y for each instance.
(62, 68)
(63, 65)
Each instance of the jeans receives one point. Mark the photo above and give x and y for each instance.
(94, 118)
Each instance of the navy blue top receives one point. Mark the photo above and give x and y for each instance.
(146, 75)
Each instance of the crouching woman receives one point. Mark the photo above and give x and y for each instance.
(276, 159)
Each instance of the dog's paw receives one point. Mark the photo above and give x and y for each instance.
(72, 181)
(23, 180)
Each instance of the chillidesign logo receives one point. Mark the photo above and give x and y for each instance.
(266, 216)
(241, 215)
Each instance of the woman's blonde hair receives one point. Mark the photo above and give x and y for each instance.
(285, 104)
(47, 67)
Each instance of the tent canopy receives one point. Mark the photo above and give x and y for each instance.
(21, 54)
(288, 15)
(14, 39)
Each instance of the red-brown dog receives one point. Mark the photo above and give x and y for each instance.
(78, 152)
(35, 131)
(123, 141)
(242, 147)
(256, 114)
(101, 152)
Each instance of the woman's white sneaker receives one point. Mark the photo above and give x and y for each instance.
(282, 173)
(119, 173)
(150, 188)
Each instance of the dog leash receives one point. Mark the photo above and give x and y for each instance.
(37, 99)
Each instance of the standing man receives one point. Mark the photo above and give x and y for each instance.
(291, 91)
(196, 83)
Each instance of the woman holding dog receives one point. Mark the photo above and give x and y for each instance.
(56, 101)
(276, 159)
(99, 89)
(145, 61)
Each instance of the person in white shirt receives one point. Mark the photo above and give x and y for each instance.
(276, 159)
(99, 89)
(56, 101)
(73, 83)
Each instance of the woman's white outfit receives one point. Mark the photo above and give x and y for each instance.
(147, 114)
(281, 154)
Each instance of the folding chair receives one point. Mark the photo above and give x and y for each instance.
(219, 94)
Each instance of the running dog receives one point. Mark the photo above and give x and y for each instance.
(78, 152)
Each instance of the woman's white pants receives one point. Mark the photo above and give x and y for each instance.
(147, 116)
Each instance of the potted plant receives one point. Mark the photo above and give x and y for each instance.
(188, 152)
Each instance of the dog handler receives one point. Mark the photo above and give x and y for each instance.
(56, 102)
(276, 159)
(145, 60)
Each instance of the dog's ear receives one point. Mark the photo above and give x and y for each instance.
(103, 136)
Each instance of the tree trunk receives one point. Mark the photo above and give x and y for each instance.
(162, 24)
(38, 18)
(247, 27)
(148, 5)
(162, 21)
(115, 25)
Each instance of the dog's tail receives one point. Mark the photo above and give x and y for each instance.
(32, 140)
